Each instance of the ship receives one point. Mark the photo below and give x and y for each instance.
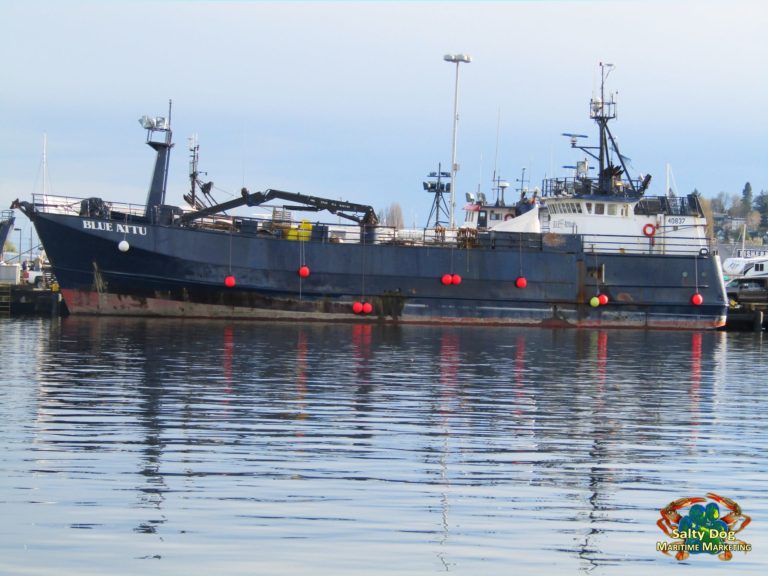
(587, 250)
(7, 220)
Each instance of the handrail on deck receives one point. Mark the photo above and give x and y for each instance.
(353, 233)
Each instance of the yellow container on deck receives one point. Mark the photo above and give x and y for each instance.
(305, 230)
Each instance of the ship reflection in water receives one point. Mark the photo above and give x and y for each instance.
(185, 447)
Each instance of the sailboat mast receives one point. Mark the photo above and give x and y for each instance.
(45, 164)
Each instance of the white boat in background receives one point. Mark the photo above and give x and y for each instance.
(746, 266)
(747, 262)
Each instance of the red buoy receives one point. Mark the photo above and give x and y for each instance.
(603, 299)
(697, 299)
(229, 281)
(357, 307)
(521, 282)
(455, 279)
(367, 308)
(304, 271)
(446, 279)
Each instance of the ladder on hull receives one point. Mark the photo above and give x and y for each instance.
(5, 300)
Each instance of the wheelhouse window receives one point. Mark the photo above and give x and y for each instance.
(599, 208)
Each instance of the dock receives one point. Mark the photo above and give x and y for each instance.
(26, 300)
(747, 319)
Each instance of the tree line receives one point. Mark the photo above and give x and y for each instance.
(752, 208)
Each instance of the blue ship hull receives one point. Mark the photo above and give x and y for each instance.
(175, 270)
(7, 221)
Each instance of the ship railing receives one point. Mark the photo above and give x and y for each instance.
(56, 204)
(51, 204)
(220, 222)
(670, 205)
(337, 233)
(626, 244)
(437, 235)
(571, 186)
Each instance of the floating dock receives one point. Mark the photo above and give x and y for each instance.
(751, 319)
(25, 300)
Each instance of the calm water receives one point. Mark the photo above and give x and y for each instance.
(185, 447)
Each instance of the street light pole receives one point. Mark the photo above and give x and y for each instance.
(456, 59)
(18, 250)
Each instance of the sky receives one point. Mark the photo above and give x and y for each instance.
(353, 100)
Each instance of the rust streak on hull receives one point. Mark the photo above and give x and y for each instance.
(84, 302)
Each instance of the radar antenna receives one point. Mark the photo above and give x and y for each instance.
(438, 187)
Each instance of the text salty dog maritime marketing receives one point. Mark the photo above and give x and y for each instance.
(704, 540)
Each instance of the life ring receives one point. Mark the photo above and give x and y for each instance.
(508, 217)
(649, 230)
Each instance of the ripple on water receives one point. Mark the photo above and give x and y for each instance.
(246, 448)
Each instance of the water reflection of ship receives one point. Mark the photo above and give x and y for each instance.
(361, 349)
(362, 353)
(598, 477)
(151, 493)
(91, 355)
(496, 397)
(606, 443)
(448, 365)
(228, 353)
(300, 379)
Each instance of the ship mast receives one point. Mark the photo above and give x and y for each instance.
(601, 112)
(161, 125)
(610, 181)
(194, 149)
(438, 187)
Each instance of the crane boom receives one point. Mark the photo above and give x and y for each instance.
(310, 203)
